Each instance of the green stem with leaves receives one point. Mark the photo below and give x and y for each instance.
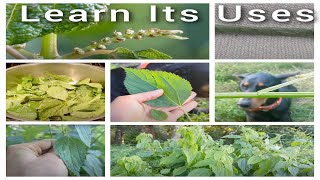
(266, 95)
(49, 48)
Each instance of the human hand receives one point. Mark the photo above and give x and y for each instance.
(34, 159)
(133, 108)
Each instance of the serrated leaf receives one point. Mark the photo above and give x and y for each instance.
(200, 172)
(18, 32)
(93, 166)
(124, 53)
(84, 132)
(176, 89)
(158, 115)
(152, 54)
(73, 153)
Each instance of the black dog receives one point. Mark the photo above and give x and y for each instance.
(265, 109)
(196, 73)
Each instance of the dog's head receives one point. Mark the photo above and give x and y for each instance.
(258, 81)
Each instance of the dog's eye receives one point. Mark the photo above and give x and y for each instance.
(245, 84)
(261, 84)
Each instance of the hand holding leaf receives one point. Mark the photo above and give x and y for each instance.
(134, 108)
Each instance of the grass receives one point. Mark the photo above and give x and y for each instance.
(226, 110)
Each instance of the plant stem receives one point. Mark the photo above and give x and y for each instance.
(186, 113)
(14, 53)
(298, 79)
(86, 54)
(266, 95)
(49, 49)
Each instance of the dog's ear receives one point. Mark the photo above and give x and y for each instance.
(285, 76)
(240, 76)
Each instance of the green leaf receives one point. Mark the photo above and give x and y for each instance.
(232, 136)
(158, 115)
(179, 171)
(203, 163)
(93, 166)
(244, 166)
(254, 160)
(124, 53)
(73, 153)
(200, 172)
(176, 89)
(84, 132)
(23, 111)
(165, 171)
(152, 54)
(293, 170)
(18, 32)
(265, 167)
(58, 92)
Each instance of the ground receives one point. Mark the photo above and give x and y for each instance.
(226, 110)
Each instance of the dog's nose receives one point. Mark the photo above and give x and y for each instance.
(244, 104)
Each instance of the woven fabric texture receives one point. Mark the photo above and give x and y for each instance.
(229, 46)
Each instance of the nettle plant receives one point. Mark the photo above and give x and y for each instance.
(18, 33)
(81, 147)
(196, 153)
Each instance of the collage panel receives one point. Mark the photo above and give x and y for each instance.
(264, 31)
(183, 94)
(108, 31)
(55, 92)
(55, 150)
(212, 150)
(264, 92)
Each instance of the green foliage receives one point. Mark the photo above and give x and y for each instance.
(20, 32)
(81, 148)
(250, 152)
(53, 97)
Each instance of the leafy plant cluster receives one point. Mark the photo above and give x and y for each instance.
(55, 97)
(250, 153)
(81, 147)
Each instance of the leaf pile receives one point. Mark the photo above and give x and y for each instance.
(18, 32)
(54, 97)
(196, 153)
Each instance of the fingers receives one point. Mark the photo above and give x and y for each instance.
(193, 95)
(147, 96)
(44, 145)
(186, 107)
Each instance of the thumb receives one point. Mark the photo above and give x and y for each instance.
(147, 96)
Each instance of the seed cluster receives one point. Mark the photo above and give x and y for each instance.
(118, 37)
